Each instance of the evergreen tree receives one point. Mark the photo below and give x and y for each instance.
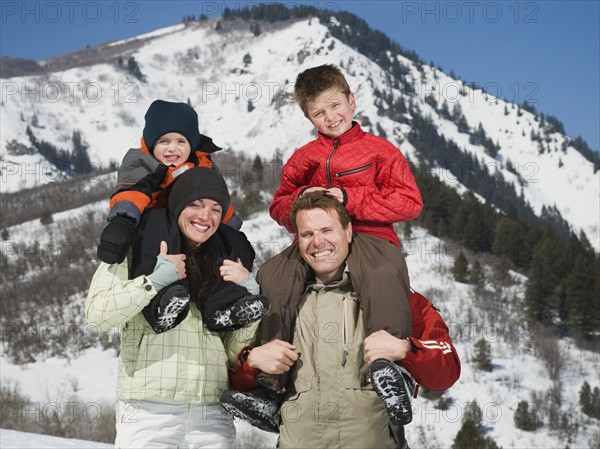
(247, 59)
(526, 417)
(541, 293)
(278, 158)
(483, 355)
(134, 69)
(258, 168)
(460, 269)
(508, 240)
(470, 435)
(460, 217)
(477, 235)
(459, 118)
(585, 398)
(60, 158)
(407, 230)
(590, 401)
(46, 218)
(255, 28)
(582, 303)
(473, 414)
(595, 409)
(252, 202)
(80, 159)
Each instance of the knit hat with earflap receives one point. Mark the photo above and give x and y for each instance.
(165, 117)
(197, 183)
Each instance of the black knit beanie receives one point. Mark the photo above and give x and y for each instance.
(197, 183)
(165, 117)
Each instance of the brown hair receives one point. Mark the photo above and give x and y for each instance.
(202, 270)
(313, 82)
(319, 199)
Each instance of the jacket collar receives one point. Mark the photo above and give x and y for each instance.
(352, 134)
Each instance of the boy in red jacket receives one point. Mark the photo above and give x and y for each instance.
(371, 178)
(171, 144)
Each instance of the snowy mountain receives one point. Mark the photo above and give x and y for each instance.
(241, 85)
(239, 76)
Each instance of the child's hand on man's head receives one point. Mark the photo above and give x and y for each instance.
(336, 193)
(312, 189)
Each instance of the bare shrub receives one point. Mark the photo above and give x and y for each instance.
(549, 351)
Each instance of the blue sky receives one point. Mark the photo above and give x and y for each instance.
(546, 52)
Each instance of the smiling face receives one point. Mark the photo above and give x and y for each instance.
(200, 220)
(331, 112)
(323, 242)
(172, 149)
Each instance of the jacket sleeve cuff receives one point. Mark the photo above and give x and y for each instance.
(301, 191)
(244, 377)
(415, 345)
(345, 194)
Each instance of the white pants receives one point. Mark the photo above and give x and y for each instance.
(171, 424)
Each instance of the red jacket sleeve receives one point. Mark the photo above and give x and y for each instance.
(244, 377)
(433, 362)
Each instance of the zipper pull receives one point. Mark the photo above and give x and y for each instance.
(344, 354)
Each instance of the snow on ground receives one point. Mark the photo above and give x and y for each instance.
(11, 439)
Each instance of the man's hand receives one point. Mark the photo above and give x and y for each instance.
(275, 357)
(383, 345)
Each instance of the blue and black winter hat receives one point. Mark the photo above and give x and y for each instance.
(165, 117)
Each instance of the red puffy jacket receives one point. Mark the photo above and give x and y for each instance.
(377, 183)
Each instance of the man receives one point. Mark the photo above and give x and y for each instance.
(314, 341)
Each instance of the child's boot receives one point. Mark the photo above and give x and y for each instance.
(394, 386)
(168, 308)
(231, 307)
(260, 407)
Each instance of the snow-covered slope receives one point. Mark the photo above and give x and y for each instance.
(241, 86)
(12, 439)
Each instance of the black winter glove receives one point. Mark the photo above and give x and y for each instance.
(116, 239)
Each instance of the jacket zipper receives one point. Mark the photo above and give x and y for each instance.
(344, 333)
(354, 170)
(327, 167)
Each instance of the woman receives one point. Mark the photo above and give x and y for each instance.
(169, 383)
